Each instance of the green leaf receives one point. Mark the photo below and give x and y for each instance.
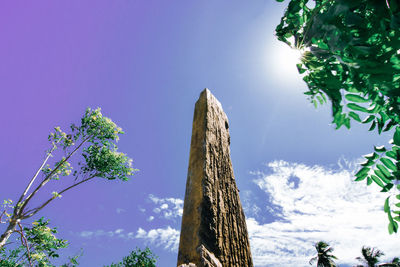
(300, 69)
(377, 180)
(374, 109)
(373, 125)
(392, 227)
(356, 107)
(379, 148)
(381, 123)
(368, 119)
(355, 116)
(391, 154)
(363, 172)
(384, 171)
(386, 207)
(367, 163)
(315, 103)
(371, 156)
(369, 181)
(389, 126)
(356, 98)
(388, 163)
(396, 136)
(387, 188)
(321, 101)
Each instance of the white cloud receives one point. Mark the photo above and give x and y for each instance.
(118, 231)
(99, 233)
(249, 205)
(168, 238)
(156, 210)
(306, 204)
(167, 208)
(142, 209)
(313, 204)
(86, 234)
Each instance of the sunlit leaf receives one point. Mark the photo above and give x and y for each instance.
(377, 181)
(363, 172)
(387, 187)
(356, 98)
(388, 163)
(373, 124)
(356, 107)
(355, 116)
(384, 171)
(368, 119)
(371, 156)
(386, 207)
(379, 148)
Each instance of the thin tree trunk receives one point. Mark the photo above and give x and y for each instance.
(10, 229)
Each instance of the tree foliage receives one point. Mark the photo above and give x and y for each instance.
(370, 257)
(351, 56)
(38, 246)
(95, 140)
(137, 258)
(324, 258)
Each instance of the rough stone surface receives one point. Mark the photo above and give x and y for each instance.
(207, 259)
(213, 231)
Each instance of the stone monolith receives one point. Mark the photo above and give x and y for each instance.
(213, 231)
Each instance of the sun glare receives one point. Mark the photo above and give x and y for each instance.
(282, 60)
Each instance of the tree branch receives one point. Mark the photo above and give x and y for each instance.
(24, 242)
(48, 177)
(36, 210)
(35, 176)
(1, 216)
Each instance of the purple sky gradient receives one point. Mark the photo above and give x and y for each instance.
(145, 63)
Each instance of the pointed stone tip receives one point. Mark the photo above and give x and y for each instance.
(209, 98)
(205, 93)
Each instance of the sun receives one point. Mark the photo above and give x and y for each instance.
(281, 62)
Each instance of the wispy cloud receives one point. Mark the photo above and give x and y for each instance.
(313, 204)
(101, 233)
(167, 237)
(167, 208)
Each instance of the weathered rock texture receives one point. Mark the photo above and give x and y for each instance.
(214, 231)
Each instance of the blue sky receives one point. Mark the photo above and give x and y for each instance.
(145, 63)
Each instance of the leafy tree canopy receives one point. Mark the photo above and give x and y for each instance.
(324, 257)
(351, 56)
(95, 140)
(370, 257)
(137, 258)
(39, 246)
